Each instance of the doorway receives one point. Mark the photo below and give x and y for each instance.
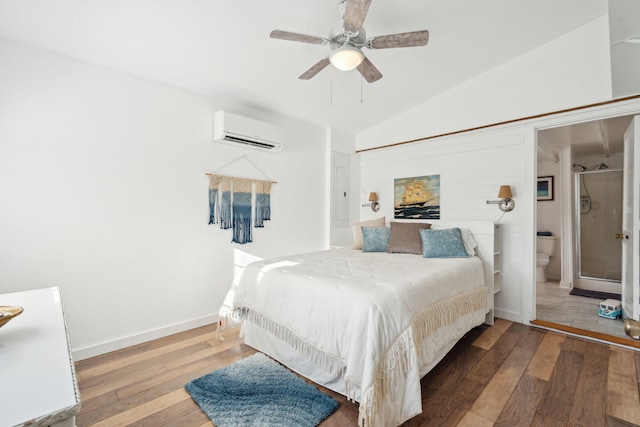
(586, 160)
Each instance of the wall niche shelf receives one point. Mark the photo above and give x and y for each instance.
(497, 259)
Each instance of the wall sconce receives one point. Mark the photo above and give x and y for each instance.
(506, 203)
(373, 198)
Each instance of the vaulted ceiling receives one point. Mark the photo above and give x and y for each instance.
(222, 48)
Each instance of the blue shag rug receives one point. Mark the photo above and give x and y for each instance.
(257, 391)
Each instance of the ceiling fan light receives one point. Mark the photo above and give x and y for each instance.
(346, 58)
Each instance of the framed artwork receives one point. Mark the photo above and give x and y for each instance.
(545, 188)
(417, 197)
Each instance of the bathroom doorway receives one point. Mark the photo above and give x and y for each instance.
(586, 160)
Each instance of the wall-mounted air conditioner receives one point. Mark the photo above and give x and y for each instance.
(242, 131)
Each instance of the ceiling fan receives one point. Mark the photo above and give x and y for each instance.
(348, 39)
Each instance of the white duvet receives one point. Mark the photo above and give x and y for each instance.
(363, 315)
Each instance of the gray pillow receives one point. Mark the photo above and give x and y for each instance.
(405, 237)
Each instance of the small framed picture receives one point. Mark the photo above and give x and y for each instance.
(545, 188)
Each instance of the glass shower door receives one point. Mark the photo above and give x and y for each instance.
(599, 207)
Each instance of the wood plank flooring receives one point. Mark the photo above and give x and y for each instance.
(505, 375)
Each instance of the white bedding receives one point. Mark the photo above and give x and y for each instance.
(364, 316)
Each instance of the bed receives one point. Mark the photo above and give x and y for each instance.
(368, 325)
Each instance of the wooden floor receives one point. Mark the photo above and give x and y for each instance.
(504, 375)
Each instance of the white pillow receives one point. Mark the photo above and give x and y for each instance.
(469, 242)
(357, 230)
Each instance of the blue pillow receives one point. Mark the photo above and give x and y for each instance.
(375, 239)
(446, 243)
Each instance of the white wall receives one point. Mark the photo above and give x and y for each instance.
(624, 22)
(469, 176)
(103, 193)
(570, 71)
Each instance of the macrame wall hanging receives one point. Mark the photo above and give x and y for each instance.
(263, 202)
(230, 202)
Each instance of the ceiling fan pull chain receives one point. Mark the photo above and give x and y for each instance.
(361, 97)
(331, 86)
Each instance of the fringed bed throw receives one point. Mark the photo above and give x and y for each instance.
(263, 203)
(242, 210)
(399, 357)
(214, 203)
(225, 203)
(332, 364)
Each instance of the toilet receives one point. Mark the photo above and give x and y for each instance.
(545, 248)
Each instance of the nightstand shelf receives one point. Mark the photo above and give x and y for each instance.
(497, 259)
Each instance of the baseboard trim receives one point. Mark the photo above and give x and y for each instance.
(511, 316)
(120, 343)
(584, 333)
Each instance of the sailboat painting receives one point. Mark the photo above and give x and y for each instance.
(417, 197)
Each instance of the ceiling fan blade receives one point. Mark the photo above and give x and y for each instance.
(355, 14)
(414, 38)
(311, 72)
(369, 71)
(296, 37)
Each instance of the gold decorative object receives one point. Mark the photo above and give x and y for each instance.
(8, 312)
(632, 327)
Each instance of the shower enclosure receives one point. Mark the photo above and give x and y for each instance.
(598, 227)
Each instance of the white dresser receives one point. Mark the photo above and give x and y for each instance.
(38, 384)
